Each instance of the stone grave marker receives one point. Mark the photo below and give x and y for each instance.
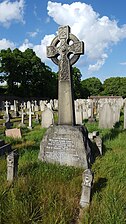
(7, 107)
(37, 118)
(28, 105)
(14, 133)
(15, 114)
(42, 105)
(86, 188)
(78, 115)
(30, 113)
(7, 124)
(106, 116)
(22, 113)
(32, 106)
(66, 114)
(12, 165)
(47, 118)
(66, 143)
(55, 104)
(36, 108)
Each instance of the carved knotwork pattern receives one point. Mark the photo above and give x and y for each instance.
(64, 69)
(60, 47)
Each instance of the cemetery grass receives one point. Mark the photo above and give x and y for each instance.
(108, 199)
(46, 193)
(42, 193)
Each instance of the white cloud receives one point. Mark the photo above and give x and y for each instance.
(123, 63)
(10, 11)
(4, 44)
(25, 45)
(34, 33)
(40, 50)
(98, 33)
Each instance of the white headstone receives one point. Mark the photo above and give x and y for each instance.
(28, 105)
(47, 118)
(106, 116)
(30, 113)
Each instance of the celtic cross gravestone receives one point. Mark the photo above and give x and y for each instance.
(64, 51)
(65, 143)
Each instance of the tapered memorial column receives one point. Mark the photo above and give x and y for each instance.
(64, 51)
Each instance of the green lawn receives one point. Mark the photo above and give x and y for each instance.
(50, 194)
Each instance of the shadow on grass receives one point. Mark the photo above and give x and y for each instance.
(114, 132)
(94, 151)
(99, 185)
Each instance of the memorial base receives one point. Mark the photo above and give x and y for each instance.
(66, 145)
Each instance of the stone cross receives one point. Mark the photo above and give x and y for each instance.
(30, 113)
(64, 51)
(22, 117)
(6, 107)
(21, 106)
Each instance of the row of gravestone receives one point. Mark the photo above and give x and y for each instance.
(106, 110)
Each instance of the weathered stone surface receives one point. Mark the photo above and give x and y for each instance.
(86, 188)
(106, 116)
(12, 165)
(47, 118)
(14, 133)
(66, 145)
(60, 45)
(98, 142)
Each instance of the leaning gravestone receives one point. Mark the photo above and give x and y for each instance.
(66, 143)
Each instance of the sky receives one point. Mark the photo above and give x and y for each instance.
(100, 24)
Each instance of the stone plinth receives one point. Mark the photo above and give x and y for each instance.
(65, 145)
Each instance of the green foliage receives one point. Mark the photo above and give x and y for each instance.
(115, 86)
(76, 78)
(26, 74)
(91, 86)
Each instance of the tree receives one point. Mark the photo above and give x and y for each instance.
(8, 68)
(26, 74)
(76, 82)
(93, 86)
(115, 86)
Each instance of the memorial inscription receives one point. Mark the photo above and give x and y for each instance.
(64, 145)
